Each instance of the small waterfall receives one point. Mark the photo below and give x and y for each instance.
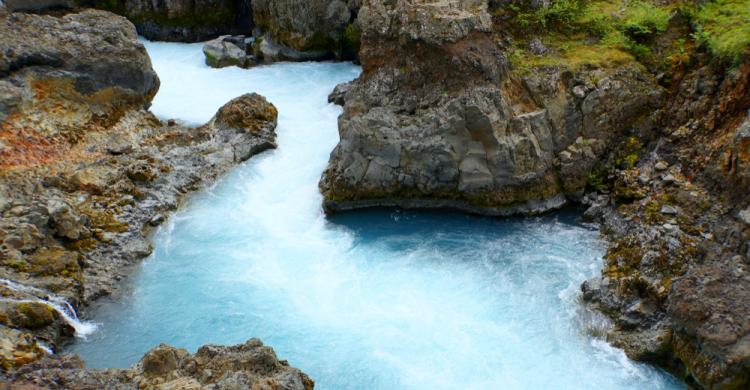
(56, 302)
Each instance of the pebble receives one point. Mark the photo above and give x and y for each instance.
(661, 166)
(669, 179)
(669, 210)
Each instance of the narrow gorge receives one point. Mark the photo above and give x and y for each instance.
(390, 194)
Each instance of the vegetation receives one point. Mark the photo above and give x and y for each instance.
(593, 32)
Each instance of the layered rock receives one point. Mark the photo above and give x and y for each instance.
(246, 366)
(180, 20)
(86, 173)
(437, 120)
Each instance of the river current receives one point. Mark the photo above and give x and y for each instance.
(379, 299)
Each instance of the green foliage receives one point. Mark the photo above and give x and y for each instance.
(561, 15)
(724, 26)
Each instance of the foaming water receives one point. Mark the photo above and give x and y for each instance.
(377, 299)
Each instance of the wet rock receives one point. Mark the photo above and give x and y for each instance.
(225, 51)
(32, 315)
(338, 95)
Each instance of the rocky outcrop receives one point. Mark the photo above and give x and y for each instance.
(246, 366)
(180, 20)
(88, 73)
(86, 173)
(437, 120)
(305, 30)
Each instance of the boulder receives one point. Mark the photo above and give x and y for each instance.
(228, 51)
(66, 74)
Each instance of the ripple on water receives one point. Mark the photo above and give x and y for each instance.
(376, 299)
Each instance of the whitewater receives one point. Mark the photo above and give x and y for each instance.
(378, 299)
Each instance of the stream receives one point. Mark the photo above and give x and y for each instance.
(376, 299)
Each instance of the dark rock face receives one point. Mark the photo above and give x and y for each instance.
(182, 21)
(313, 26)
(246, 366)
(436, 120)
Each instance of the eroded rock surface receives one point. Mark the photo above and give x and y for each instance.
(246, 366)
(436, 120)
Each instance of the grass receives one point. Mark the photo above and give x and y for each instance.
(604, 33)
(724, 26)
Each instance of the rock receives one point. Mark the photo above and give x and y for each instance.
(430, 124)
(102, 71)
(668, 210)
(66, 222)
(32, 315)
(304, 26)
(338, 95)
(247, 123)
(536, 46)
(182, 20)
(222, 52)
(744, 216)
(246, 366)
(661, 166)
(668, 179)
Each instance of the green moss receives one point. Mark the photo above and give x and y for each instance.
(351, 39)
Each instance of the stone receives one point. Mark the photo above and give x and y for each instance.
(338, 95)
(661, 166)
(744, 216)
(668, 210)
(66, 222)
(222, 52)
(668, 179)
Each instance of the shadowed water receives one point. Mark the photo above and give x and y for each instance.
(377, 299)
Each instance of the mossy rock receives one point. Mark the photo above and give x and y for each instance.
(32, 315)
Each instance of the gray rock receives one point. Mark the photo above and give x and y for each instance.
(668, 179)
(744, 216)
(66, 222)
(222, 52)
(669, 210)
(661, 166)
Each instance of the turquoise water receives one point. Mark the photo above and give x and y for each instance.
(379, 299)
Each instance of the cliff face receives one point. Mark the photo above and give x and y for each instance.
(511, 106)
(437, 119)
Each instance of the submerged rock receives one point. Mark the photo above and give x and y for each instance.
(246, 366)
